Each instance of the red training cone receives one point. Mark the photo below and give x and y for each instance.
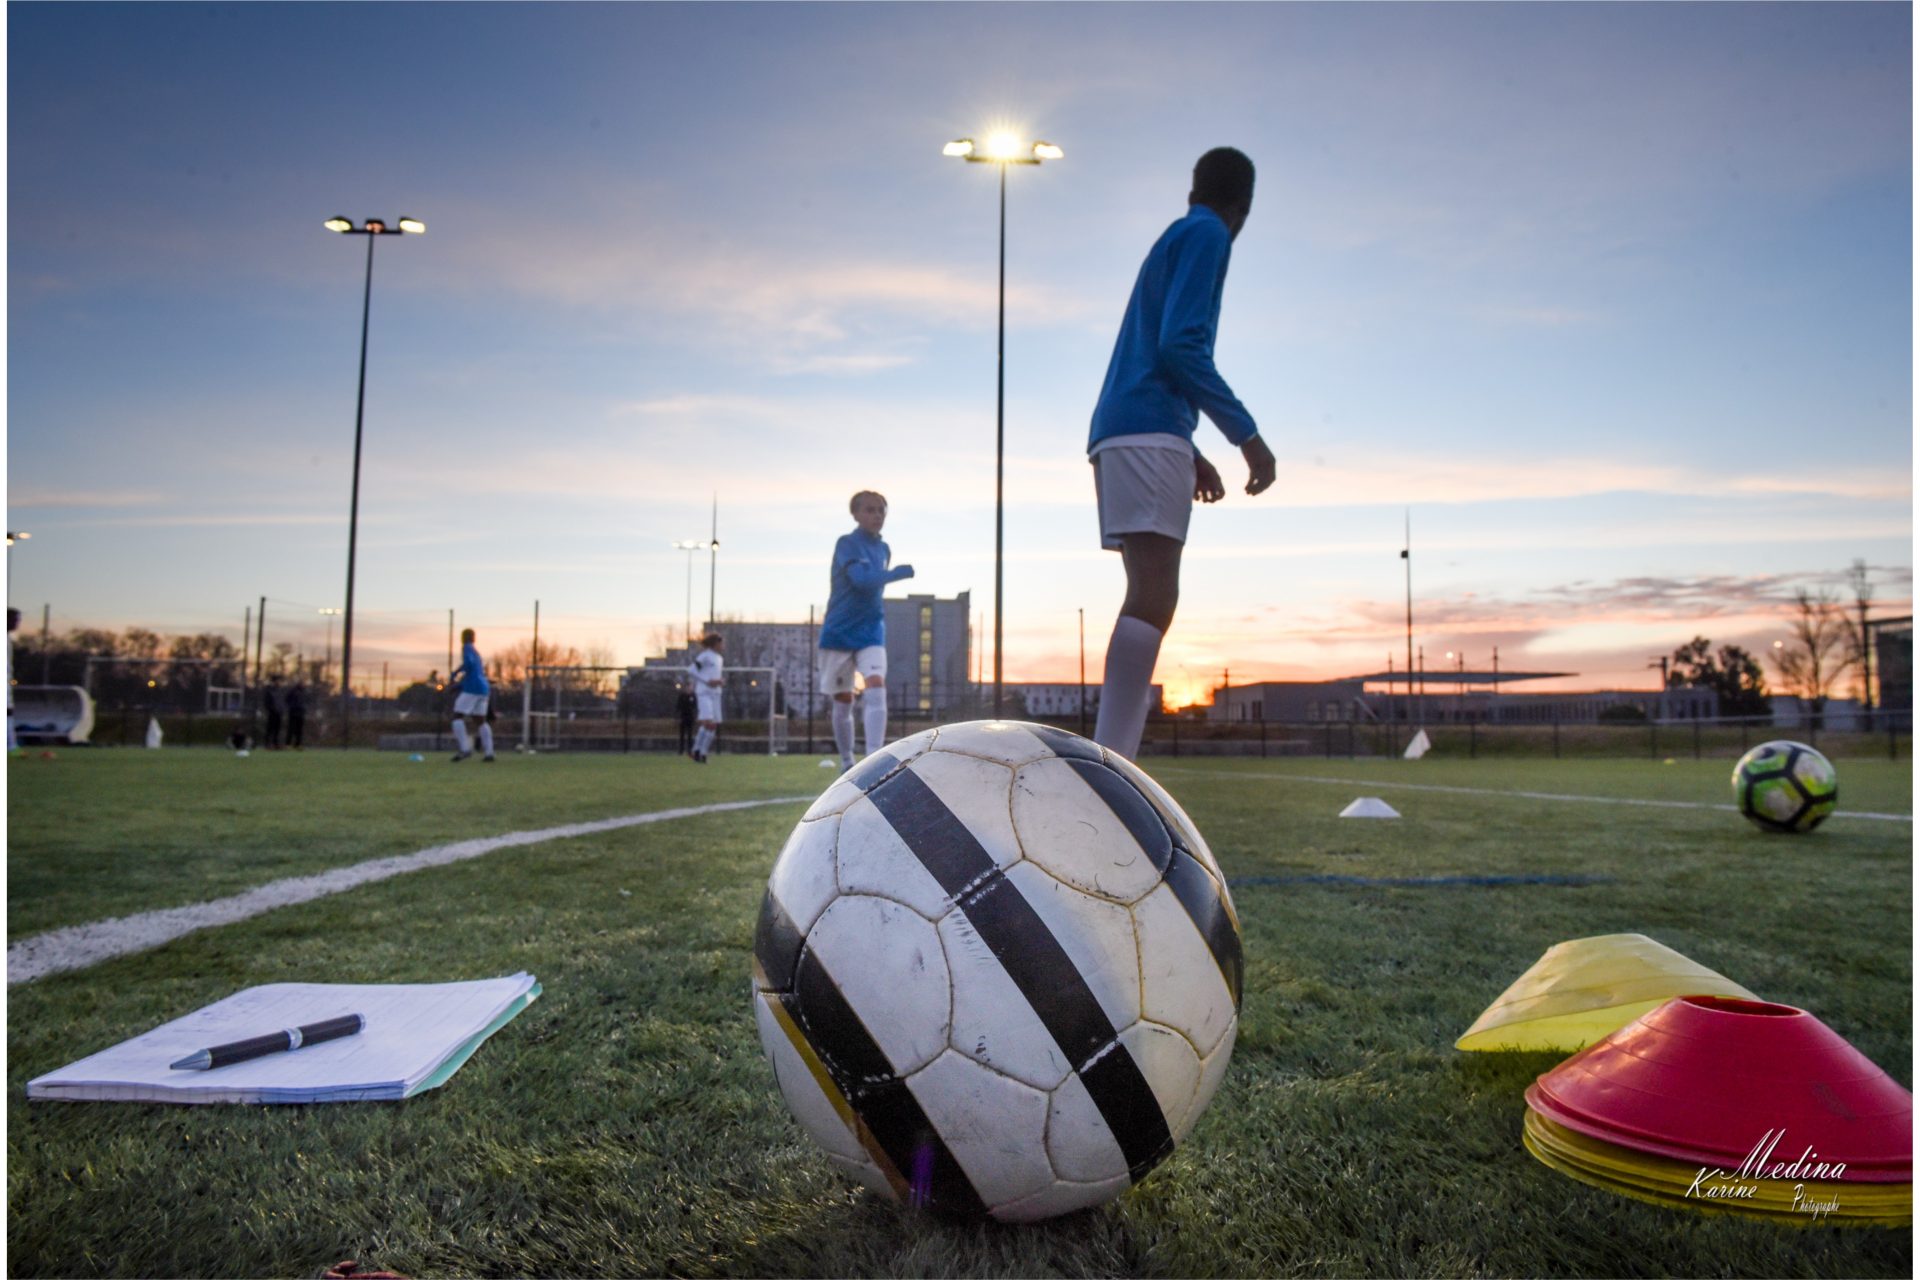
(1766, 1089)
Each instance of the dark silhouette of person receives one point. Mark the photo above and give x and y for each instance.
(297, 716)
(684, 706)
(274, 699)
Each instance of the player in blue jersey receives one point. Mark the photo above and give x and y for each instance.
(1147, 471)
(470, 704)
(853, 634)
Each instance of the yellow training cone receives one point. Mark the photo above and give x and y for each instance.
(1584, 990)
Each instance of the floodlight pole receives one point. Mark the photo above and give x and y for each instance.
(371, 229)
(353, 514)
(1002, 151)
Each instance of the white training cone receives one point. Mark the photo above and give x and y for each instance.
(153, 733)
(1420, 745)
(1369, 807)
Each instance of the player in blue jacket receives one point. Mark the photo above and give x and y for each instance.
(1147, 471)
(470, 704)
(853, 634)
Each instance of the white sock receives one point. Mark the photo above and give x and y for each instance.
(1131, 654)
(702, 740)
(460, 738)
(873, 711)
(486, 739)
(843, 729)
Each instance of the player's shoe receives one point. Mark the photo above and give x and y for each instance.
(459, 757)
(486, 759)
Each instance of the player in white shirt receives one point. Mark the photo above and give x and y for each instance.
(708, 666)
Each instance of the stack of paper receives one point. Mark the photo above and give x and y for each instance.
(416, 1036)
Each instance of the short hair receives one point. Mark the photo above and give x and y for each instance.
(1223, 176)
(466, 635)
(854, 502)
(712, 638)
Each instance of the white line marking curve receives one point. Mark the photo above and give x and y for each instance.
(81, 945)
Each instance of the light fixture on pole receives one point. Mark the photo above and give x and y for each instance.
(372, 229)
(1001, 149)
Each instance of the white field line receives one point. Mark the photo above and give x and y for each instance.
(81, 945)
(1519, 795)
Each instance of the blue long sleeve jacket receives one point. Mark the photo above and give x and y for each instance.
(855, 616)
(1161, 377)
(473, 672)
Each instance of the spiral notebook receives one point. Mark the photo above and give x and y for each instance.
(416, 1036)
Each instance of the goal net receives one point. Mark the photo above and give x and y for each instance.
(581, 708)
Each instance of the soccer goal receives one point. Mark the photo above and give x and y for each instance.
(581, 708)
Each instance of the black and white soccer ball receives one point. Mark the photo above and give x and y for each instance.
(997, 972)
(1785, 787)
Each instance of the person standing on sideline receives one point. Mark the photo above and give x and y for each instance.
(853, 633)
(13, 625)
(708, 677)
(274, 699)
(1147, 471)
(470, 705)
(297, 716)
(683, 707)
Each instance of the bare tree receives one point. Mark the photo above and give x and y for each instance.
(1860, 643)
(1816, 656)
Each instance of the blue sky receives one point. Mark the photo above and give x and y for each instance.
(1616, 298)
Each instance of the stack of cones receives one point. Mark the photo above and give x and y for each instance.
(1713, 1102)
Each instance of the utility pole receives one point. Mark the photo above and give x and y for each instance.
(713, 560)
(246, 629)
(260, 640)
(1660, 708)
(535, 660)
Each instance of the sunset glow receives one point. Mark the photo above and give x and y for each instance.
(1623, 396)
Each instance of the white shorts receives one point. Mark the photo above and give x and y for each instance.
(1143, 488)
(837, 667)
(471, 704)
(707, 705)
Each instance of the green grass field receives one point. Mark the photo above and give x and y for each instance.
(628, 1124)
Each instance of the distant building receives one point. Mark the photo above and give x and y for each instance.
(929, 652)
(1062, 701)
(930, 655)
(1449, 697)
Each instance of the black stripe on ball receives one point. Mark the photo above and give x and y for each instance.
(1201, 897)
(1070, 746)
(776, 944)
(1135, 812)
(883, 1102)
(1034, 959)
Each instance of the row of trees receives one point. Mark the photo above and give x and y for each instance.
(1824, 646)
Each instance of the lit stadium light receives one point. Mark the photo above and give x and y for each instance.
(1003, 148)
(372, 228)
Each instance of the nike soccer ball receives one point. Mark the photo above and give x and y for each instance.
(1785, 786)
(997, 972)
